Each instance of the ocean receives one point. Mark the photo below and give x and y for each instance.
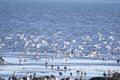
(73, 20)
(51, 26)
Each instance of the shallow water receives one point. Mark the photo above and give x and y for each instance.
(90, 66)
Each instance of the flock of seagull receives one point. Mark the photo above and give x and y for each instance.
(58, 42)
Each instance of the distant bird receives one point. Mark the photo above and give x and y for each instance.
(20, 59)
(70, 73)
(46, 64)
(65, 67)
(14, 74)
(78, 71)
(104, 74)
(83, 74)
(20, 78)
(66, 59)
(2, 61)
(36, 56)
(104, 58)
(13, 77)
(118, 61)
(52, 67)
(53, 58)
(60, 73)
(58, 68)
(34, 77)
(14, 49)
(28, 77)
(2, 45)
(52, 76)
(109, 73)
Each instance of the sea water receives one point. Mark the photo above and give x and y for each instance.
(51, 26)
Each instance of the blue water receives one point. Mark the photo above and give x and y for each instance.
(68, 20)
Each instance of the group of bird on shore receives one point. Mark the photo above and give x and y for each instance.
(109, 75)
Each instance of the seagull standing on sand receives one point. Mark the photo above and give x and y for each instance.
(104, 74)
(20, 59)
